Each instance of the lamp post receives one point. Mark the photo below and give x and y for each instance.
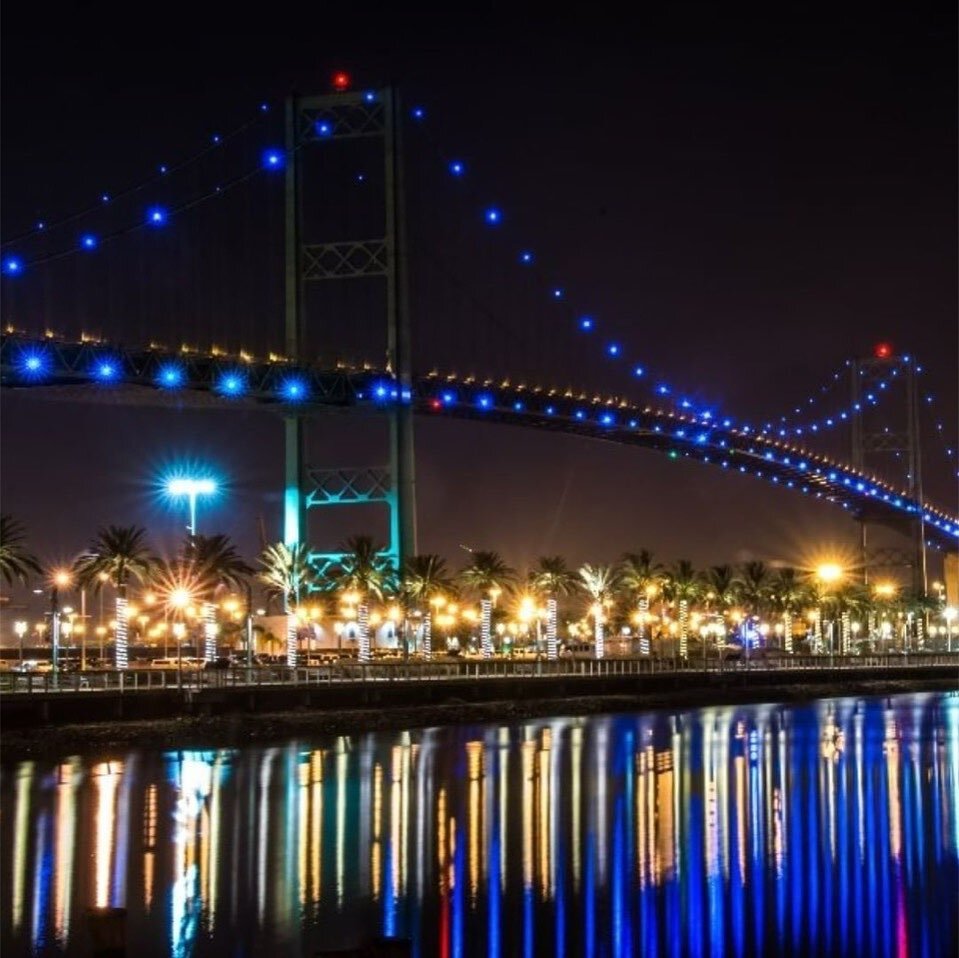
(191, 488)
(61, 580)
(20, 628)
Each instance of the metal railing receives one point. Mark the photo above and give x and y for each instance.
(137, 680)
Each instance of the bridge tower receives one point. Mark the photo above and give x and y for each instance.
(320, 122)
(889, 448)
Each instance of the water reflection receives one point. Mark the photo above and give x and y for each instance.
(831, 829)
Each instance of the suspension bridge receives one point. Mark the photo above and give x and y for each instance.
(288, 375)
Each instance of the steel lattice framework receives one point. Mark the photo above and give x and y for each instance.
(71, 370)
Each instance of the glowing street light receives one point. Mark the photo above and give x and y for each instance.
(20, 628)
(191, 488)
(829, 572)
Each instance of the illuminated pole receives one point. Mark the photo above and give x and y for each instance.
(191, 488)
(209, 631)
(599, 631)
(643, 615)
(363, 628)
(788, 630)
(428, 635)
(20, 628)
(684, 628)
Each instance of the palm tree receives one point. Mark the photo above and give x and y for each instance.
(214, 563)
(287, 573)
(117, 553)
(600, 583)
(721, 593)
(683, 585)
(754, 587)
(366, 571)
(16, 563)
(644, 578)
(425, 578)
(489, 576)
(552, 577)
(787, 592)
(848, 600)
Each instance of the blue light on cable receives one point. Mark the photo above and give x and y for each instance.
(418, 113)
(88, 241)
(557, 293)
(607, 419)
(518, 406)
(13, 266)
(170, 376)
(105, 370)
(638, 371)
(613, 349)
(33, 364)
(457, 168)
(484, 401)
(41, 225)
(369, 96)
(215, 138)
(579, 414)
(586, 323)
(104, 197)
(448, 398)
(323, 128)
(493, 216)
(662, 389)
(156, 216)
(231, 384)
(381, 391)
(273, 159)
(526, 257)
(163, 169)
(294, 389)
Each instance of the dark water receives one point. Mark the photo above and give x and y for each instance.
(829, 829)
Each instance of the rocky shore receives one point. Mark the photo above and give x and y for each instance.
(239, 729)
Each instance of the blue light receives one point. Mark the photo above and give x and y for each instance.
(32, 363)
(586, 324)
(662, 389)
(418, 113)
(493, 216)
(550, 410)
(613, 349)
(88, 241)
(457, 168)
(448, 398)
(294, 389)
(41, 225)
(264, 107)
(216, 138)
(162, 169)
(231, 384)
(639, 371)
(526, 257)
(484, 401)
(518, 406)
(156, 216)
(105, 198)
(381, 391)
(170, 376)
(686, 404)
(702, 437)
(13, 266)
(323, 128)
(706, 414)
(105, 370)
(369, 96)
(360, 177)
(607, 419)
(727, 423)
(273, 159)
(557, 293)
(579, 414)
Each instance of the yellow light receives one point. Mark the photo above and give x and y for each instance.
(829, 572)
(230, 605)
(438, 601)
(394, 612)
(61, 578)
(149, 598)
(527, 608)
(132, 611)
(885, 589)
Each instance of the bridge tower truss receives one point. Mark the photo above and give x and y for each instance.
(889, 448)
(318, 122)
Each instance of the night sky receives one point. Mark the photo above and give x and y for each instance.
(744, 203)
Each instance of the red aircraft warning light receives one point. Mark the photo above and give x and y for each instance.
(883, 351)
(341, 81)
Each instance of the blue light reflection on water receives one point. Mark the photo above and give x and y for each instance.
(828, 829)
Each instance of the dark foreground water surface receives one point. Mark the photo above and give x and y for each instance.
(827, 829)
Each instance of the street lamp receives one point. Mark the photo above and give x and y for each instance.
(191, 488)
(61, 579)
(20, 628)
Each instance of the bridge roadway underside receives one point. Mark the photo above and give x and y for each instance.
(356, 706)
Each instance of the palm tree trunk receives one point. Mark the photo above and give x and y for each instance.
(363, 630)
(121, 645)
(844, 633)
(643, 638)
(551, 649)
(427, 639)
(599, 637)
(486, 638)
(291, 636)
(788, 630)
(683, 628)
(209, 631)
